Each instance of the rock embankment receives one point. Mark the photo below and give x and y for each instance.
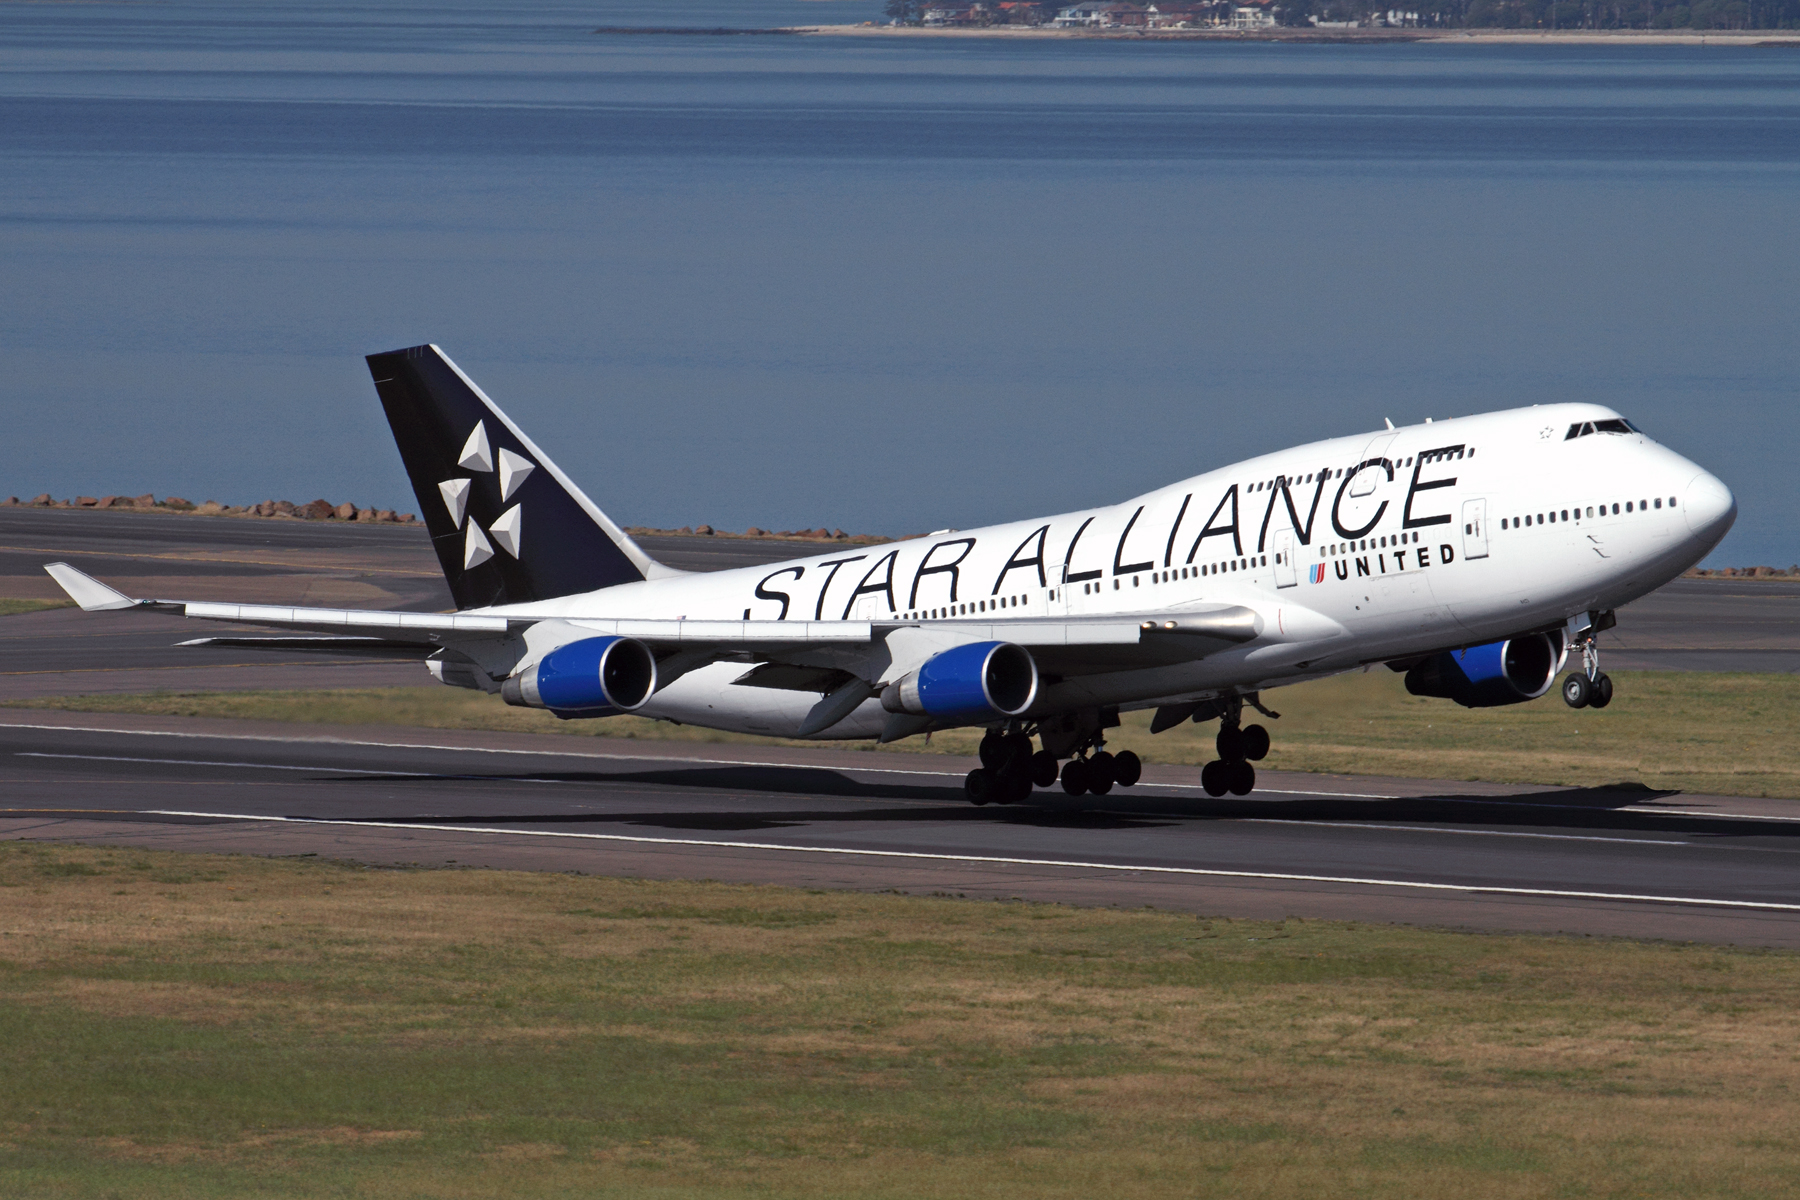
(1792, 572)
(318, 510)
(820, 534)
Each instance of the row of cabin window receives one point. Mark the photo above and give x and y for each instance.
(1642, 506)
(1177, 573)
(1265, 484)
(967, 608)
(1375, 543)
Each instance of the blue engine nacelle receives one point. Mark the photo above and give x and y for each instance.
(1520, 668)
(594, 677)
(968, 684)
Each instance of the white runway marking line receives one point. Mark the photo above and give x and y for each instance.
(1487, 889)
(1505, 833)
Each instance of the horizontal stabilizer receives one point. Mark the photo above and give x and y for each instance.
(85, 590)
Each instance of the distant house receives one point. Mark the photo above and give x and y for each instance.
(958, 14)
(1079, 15)
(1253, 17)
(1110, 15)
(1020, 12)
(1179, 16)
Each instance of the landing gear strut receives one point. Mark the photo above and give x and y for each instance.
(1010, 769)
(1238, 746)
(1592, 687)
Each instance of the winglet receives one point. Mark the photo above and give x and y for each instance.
(85, 590)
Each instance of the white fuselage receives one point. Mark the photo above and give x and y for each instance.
(1353, 550)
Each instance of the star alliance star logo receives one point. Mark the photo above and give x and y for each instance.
(477, 455)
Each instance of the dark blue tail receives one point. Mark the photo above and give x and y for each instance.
(508, 526)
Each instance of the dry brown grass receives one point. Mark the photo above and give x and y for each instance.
(307, 1028)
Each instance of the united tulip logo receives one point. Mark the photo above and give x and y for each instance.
(1318, 572)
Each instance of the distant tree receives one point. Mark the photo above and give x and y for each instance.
(907, 12)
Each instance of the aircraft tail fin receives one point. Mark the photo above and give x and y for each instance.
(508, 526)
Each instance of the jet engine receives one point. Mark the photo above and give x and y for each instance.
(594, 677)
(968, 684)
(1517, 669)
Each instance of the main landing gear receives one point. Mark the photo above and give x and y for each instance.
(1010, 767)
(1592, 687)
(1238, 746)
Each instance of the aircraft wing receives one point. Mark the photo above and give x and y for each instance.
(1073, 645)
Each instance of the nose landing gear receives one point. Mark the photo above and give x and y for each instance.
(1592, 688)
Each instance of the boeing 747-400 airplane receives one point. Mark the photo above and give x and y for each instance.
(1475, 555)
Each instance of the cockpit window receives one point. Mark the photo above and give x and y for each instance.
(1611, 425)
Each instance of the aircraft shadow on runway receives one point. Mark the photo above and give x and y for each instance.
(1600, 808)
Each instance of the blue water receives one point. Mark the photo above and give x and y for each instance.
(890, 285)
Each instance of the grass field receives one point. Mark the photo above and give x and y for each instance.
(1712, 733)
(10, 607)
(189, 1026)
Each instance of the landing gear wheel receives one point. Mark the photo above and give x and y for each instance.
(1043, 768)
(1577, 692)
(1256, 742)
(993, 751)
(1240, 778)
(1012, 787)
(1602, 690)
(1230, 743)
(1128, 768)
(978, 786)
(1075, 777)
(1212, 778)
(1100, 777)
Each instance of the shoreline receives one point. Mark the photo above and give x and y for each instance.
(1578, 37)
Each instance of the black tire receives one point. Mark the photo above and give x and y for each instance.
(1602, 691)
(1240, 778)
(993, 751)
(1075, 777)
(1043, 768)
(1577, 692)
(1128, 768)
(1230, 743)
(1256, 743)
(1212, 778)
(1102, 773)
(1013, 787)
(1018, 753)
(978, 786)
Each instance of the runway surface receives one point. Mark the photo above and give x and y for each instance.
(1618, 862)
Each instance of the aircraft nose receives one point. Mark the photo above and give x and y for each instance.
(1709, 505)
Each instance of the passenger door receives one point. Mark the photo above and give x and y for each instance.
(1285, 575)
(1475, 539)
